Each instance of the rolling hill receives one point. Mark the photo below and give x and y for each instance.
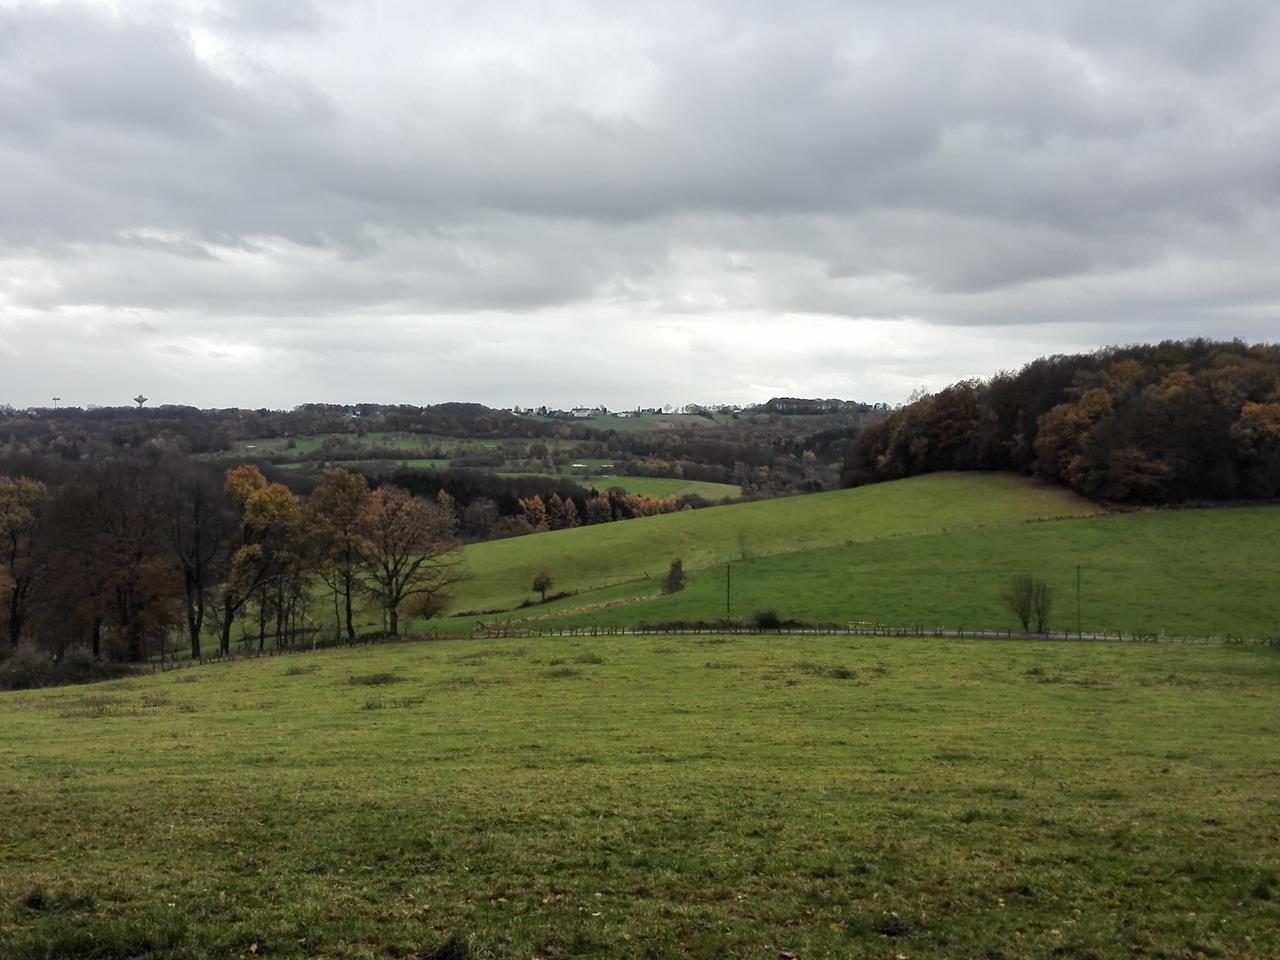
(593, 557)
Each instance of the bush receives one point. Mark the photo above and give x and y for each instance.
(675, 577)
(27, 668)
(766, 620)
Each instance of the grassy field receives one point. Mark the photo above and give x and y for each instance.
(934, 551)
(592, 557)
(754, 797)
(647, 486)
(667, 487)
(661, 421)
(409, 442)
(1192, 572)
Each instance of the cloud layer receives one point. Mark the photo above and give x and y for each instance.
(265, 203)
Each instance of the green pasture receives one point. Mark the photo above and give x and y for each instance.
(1181, 573)
(586, 467)
(409, 442)
(620, 424)
(661, 421)
(421, 463)
(753, 797)
(661, 487)
(266, 446)
(666, 487)
(597, 556)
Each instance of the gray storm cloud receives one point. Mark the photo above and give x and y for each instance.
(531, 203)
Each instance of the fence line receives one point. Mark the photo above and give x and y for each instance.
(503, 631)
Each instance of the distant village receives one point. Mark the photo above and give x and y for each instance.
(780, 405)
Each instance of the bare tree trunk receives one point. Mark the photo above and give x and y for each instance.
(351, 628)
(228, 617)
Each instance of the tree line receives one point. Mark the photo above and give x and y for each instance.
(1166, 423)
(119, 554)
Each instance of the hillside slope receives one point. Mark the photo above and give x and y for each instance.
(1181, 572)
(592, 557)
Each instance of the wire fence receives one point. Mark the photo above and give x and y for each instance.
(497, 631)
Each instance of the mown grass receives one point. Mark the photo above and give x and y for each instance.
(698, 796)
(596, 556)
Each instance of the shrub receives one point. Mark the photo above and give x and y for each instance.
(766, 620)
(675, 577)
(29, 667)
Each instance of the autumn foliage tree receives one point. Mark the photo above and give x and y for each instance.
(408, 550)
(268, 557)
(334, 515)
(1164, 423)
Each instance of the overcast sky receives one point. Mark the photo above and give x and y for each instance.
(268, 202)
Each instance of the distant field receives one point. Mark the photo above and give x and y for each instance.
(666, 487)
(756, 797)
(662, 421)
(302, 445)
(599, 555)
(353, 464)
(647, 486)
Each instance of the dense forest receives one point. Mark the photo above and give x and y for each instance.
(1170, 423)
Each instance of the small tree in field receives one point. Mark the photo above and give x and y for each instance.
(675, 577)
(542, 582)
(1041, 604)
(1030, 599)
(1018, 598)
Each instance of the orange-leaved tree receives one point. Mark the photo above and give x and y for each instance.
(268, 562)
(333, 514)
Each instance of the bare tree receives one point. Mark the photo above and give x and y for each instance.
(1041, 604)
(1030, 599)
(1019, 598)
(408, 550)
(197, 521)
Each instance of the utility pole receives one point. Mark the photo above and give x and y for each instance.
(728, 581)
(1079, 632)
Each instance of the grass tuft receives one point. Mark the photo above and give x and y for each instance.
(374, 679)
